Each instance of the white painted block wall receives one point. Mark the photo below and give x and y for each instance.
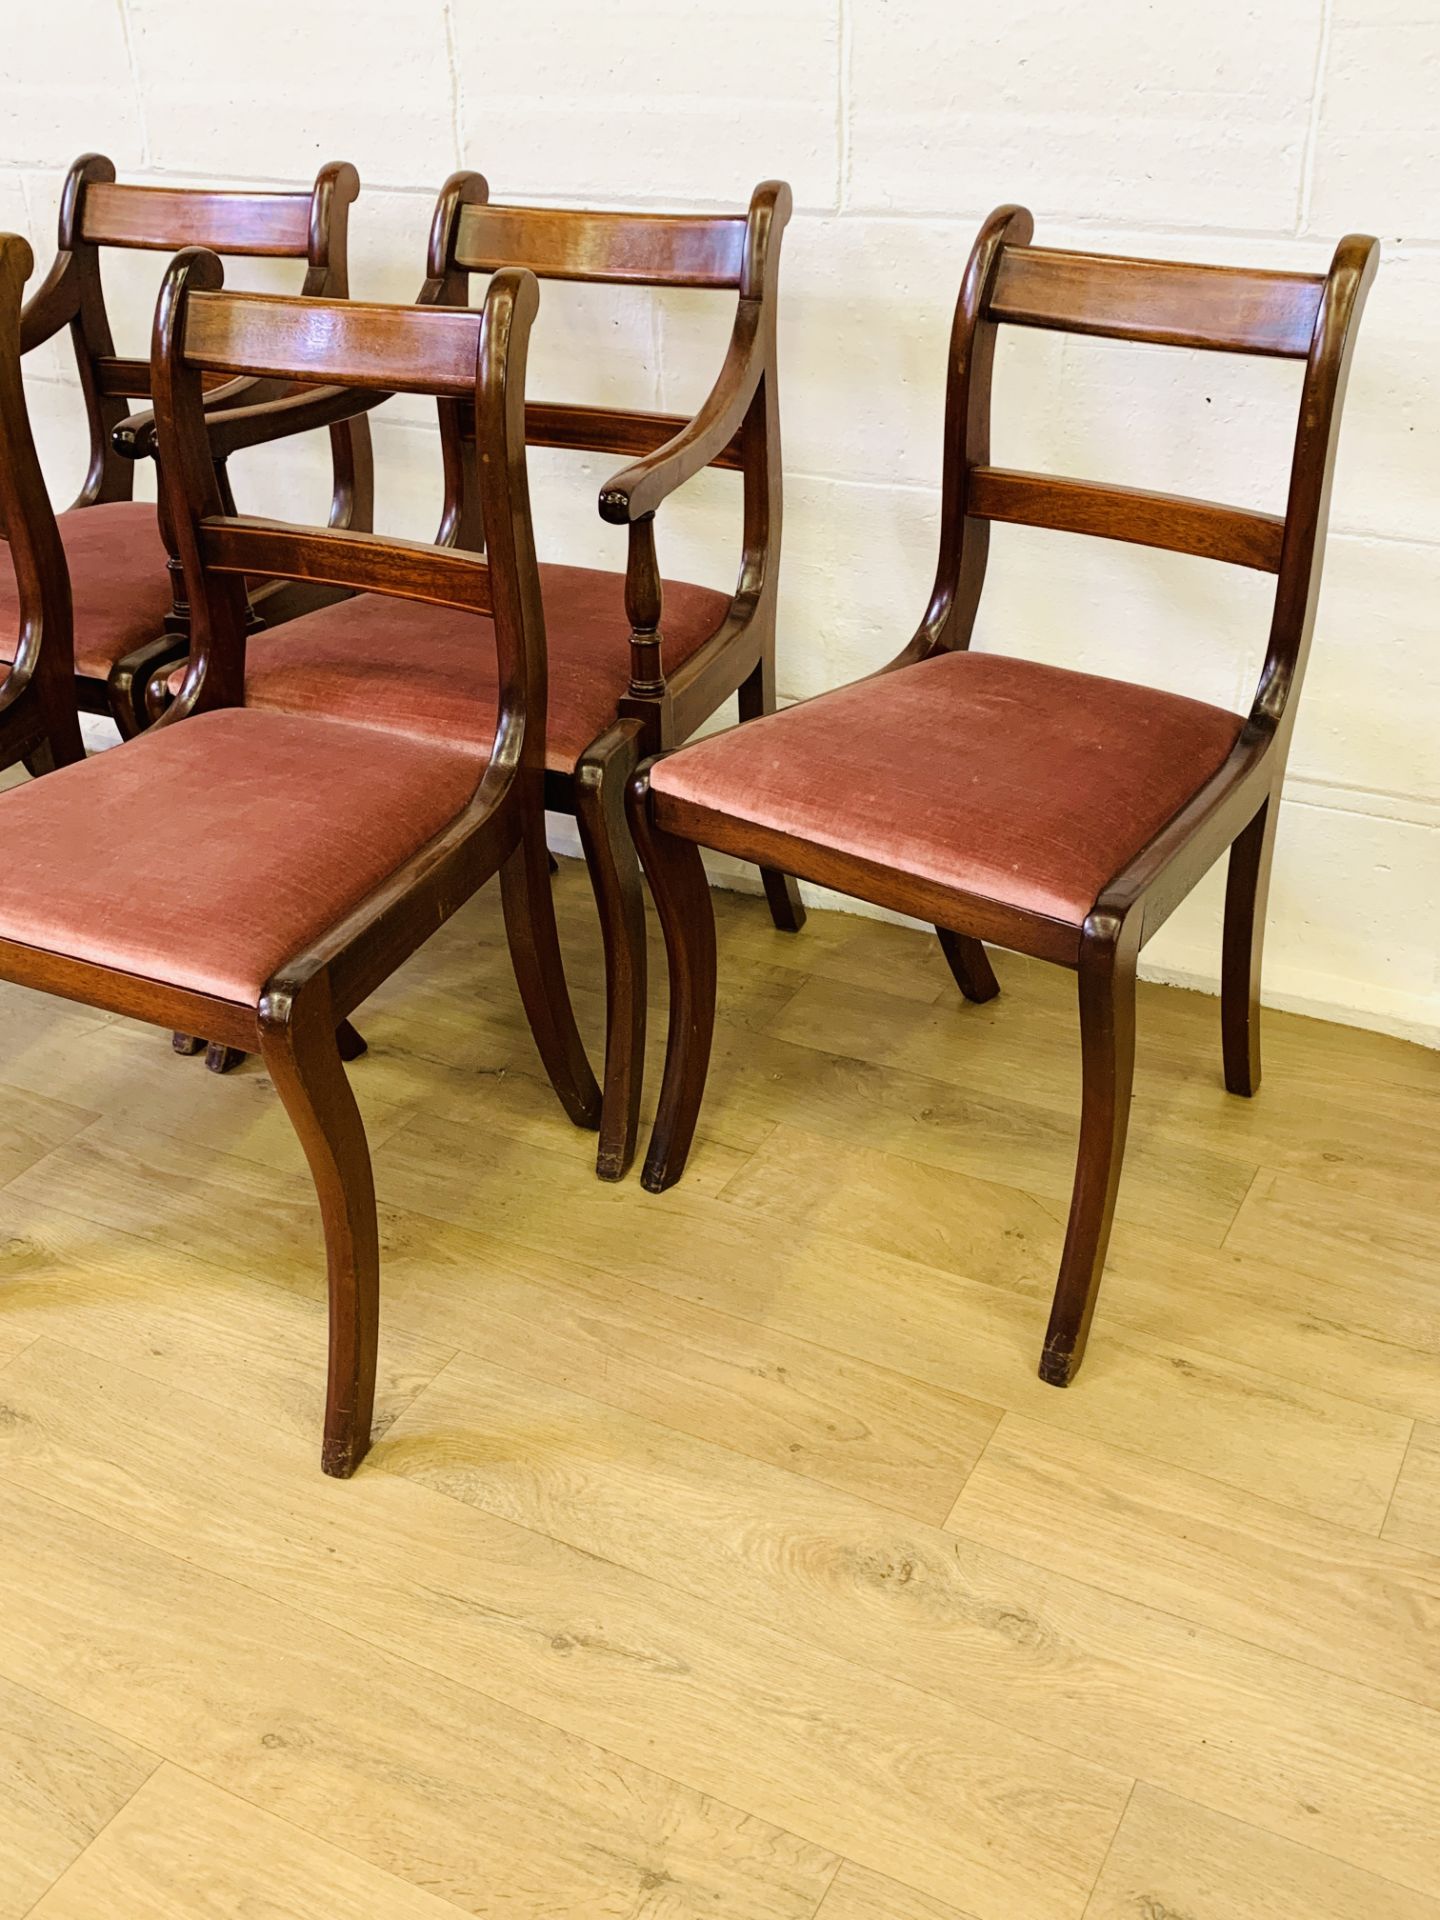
(1232, 131)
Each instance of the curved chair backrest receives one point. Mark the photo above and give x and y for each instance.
(37, 690)
(1300, 316)
(96, 212)
(737, 253)
(474, 359)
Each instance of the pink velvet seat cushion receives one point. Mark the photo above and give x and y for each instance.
(431, 672)
(1027, 785)
(285, 825)
(119, 586)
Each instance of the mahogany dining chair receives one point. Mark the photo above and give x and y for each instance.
(39, 721)
(322, 853)
(637, 662)
(129, 606)
(1059, 813)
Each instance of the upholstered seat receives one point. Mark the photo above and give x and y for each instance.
(288, 823)
(119, 586)
(430, 671)
(1019, 783)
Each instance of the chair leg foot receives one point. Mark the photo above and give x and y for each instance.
(782, 895)
(1058, 1369)
(187, 1044)
(970, 965)
(782, 891)
(352, 1045)
(600, 782)
(1247, 888)
(1107, 1042)
(220, 1059)
(529, 907)
(339, 1458)
(682, 900)
(297, 1043)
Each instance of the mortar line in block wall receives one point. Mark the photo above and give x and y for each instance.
(845, 55)
(127, 35)
(801, 476)
(963, 219)
(457, 86)
(1317, 106)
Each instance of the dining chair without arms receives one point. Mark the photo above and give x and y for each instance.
(636, 663)
(39, 721)
(266, 939)
(1062, 814)
(130, 611)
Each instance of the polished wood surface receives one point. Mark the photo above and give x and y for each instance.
(743, 1567)
(236, 333)
(39, 721)
(1146, 519)
(565, 243)
(167, 218)
(1172, 303)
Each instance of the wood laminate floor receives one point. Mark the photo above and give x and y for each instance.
(721, 1557)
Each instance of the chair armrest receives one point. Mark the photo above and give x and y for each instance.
(256, 426)
(134, 438)
(53, 305)
(638, 489)
(269, 416)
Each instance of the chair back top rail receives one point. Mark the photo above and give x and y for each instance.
(426, 350)
(1160, 302)
(563, 243)
(274, 225)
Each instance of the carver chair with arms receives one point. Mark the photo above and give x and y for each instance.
(323, 853)
(636, 663)
(1058, 813)
(129, 603)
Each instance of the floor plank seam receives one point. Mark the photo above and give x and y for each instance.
(362, 1643)
(1100, 1870)
(1074, 1752)
(1399, 1476)
(104, 1827)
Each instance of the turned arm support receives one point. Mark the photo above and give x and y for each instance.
(633, 495)
(644, 594)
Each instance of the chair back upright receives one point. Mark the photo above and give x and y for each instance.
(1300, 316)
(41, 650)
